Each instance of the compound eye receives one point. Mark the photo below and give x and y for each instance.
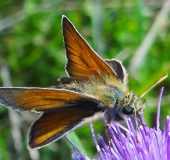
(127, 110)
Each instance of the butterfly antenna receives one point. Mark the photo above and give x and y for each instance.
(159, 81)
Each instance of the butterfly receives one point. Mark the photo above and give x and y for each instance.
(94, 89)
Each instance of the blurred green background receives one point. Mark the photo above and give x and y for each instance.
(32, 54)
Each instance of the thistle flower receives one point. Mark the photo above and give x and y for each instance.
(131, 144)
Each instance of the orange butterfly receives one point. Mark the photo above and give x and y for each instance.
(94, 89)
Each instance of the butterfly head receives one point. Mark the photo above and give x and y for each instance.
(128, 104)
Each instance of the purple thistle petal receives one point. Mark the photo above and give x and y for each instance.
(167, 126)
(78, 155)
(158, 109)
(95, 141)
(103, 144)
(115, 142)
(114, 150)
(133, 131)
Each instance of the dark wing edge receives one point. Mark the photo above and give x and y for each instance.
(118, 68)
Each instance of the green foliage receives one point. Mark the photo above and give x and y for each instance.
(31, 46)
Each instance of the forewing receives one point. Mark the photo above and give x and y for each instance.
(41, 99)
(82, 61)
(54, 125)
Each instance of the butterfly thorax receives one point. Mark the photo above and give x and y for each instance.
(95, 88)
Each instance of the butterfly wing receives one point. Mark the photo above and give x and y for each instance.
(55, 125)
(42, 99)
(82, 61)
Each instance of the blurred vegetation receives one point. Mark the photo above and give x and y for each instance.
(32, 52)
